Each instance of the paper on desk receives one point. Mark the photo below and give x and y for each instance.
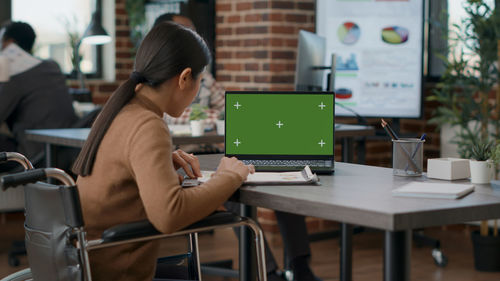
(300, 177)
(434, 190)
(180, 130)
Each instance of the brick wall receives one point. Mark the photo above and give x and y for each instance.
(256, 42)
(256, 45)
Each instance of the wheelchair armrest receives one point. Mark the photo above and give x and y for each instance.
(128, 231)
(145, 228)
(215, 219)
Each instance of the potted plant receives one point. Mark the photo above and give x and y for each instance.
(137, 22)
(484, 157)
(197, 119)
(73, 37)
(463, 93)
(220, 123)
(486, 242)
(486, 246)
(470, 78)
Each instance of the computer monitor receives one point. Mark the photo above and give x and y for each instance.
(310, 59)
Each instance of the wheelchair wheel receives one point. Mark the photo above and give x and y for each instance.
(22, 275)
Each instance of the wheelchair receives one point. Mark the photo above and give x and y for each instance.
(56, 241)
(15, 201)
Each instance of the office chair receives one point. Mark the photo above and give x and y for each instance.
(55, 233)
(423, 240)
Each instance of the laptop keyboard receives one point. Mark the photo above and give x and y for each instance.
(289, 163)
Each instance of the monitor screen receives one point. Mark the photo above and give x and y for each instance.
(379, 48)
(279, 123)
(310, 58)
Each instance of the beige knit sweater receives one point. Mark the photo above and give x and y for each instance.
(134, 179)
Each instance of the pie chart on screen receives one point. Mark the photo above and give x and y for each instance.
(348, 33)
(395, 35)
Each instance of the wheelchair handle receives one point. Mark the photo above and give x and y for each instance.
(17, 157)
(29, 176)
(32, 176)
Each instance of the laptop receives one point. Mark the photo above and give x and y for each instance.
(281, 130)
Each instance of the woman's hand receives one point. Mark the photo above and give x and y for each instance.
(235, 165)
(188, 162)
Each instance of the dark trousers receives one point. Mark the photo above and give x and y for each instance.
(293, 231)
(166, 271)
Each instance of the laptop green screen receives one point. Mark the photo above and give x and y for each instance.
(279, 123)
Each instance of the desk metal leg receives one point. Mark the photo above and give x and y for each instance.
(347, 149)
(345, 252)
(48, 155)
(361, 148)
(397, 252)
(50, 159)
(248, 266)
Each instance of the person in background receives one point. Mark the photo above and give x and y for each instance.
(127, 171)
(33, 92)
(211, 94)
(292, 227)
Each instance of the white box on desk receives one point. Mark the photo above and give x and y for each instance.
(448, 168)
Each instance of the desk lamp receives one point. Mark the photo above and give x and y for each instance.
(94, 35)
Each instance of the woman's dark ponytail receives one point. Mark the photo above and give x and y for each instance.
(84, 163)
(165, 52)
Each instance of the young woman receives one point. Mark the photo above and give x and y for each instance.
(127, 170)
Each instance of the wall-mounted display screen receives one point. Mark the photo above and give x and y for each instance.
(379, 47)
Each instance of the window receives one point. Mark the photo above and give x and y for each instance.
(54, 21)
(201, 12)
(456, 16)
(443, 15)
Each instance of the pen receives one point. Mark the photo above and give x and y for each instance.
(388, 129)
(417, 147)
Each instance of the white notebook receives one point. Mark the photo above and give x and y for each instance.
(434, 190)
